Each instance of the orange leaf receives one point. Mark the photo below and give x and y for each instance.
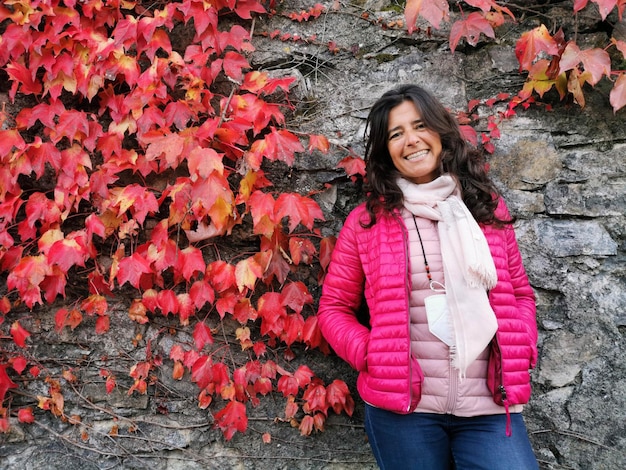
(178, 371)
(306, 425)
(250, 269)
(95, 305)
(301, 250)
(318, 142)
(532, 43)
(618, 93)
(137, 311)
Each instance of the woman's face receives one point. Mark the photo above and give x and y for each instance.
(414, 149)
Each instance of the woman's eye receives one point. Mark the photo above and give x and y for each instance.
(395, 135)
(420, 127)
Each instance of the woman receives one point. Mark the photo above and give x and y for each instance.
(444, 361)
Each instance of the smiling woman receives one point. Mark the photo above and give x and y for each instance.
(432, 253)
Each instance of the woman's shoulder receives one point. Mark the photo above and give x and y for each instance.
(357, 215)
(502, 210)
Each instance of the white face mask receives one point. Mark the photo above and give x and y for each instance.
(439, 318)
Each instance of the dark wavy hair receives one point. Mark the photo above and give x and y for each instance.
(464, 163)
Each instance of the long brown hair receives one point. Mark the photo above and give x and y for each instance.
(466, 164)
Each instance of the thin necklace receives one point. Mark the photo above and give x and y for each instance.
(434, 285)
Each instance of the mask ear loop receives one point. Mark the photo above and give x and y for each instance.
(437, 286)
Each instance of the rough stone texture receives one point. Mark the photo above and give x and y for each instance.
(563, 174)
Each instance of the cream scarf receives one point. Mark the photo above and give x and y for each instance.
(469, 270)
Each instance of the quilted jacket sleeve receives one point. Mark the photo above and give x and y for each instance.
(342, 294)
(519, 280)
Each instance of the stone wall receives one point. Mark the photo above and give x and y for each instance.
(563, 174)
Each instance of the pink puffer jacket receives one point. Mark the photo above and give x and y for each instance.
(373, 262)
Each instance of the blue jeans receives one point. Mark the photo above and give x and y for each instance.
(429, 441)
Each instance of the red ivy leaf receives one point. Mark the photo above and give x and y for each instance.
(25, 415)
(232, 418)
(18, 364)
(221, 275)
(189, 262)
(595, 61)
(5, 383)
(201, 293)
(202, 371)
(202, 335)
(433, 11)
(233, 63)
(315, 399)
(131, 269)
(339, 398)
(282, 145)
(470, 28)
(23, 78)
(353, 165)
(19, 334)
(295, 295)
(311, 333)
(299, 209)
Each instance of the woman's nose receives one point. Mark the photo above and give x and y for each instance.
(413, 138)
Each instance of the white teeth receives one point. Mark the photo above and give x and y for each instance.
(415, 155)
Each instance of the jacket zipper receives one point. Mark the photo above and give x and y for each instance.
(503, 395)
(408, 312)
